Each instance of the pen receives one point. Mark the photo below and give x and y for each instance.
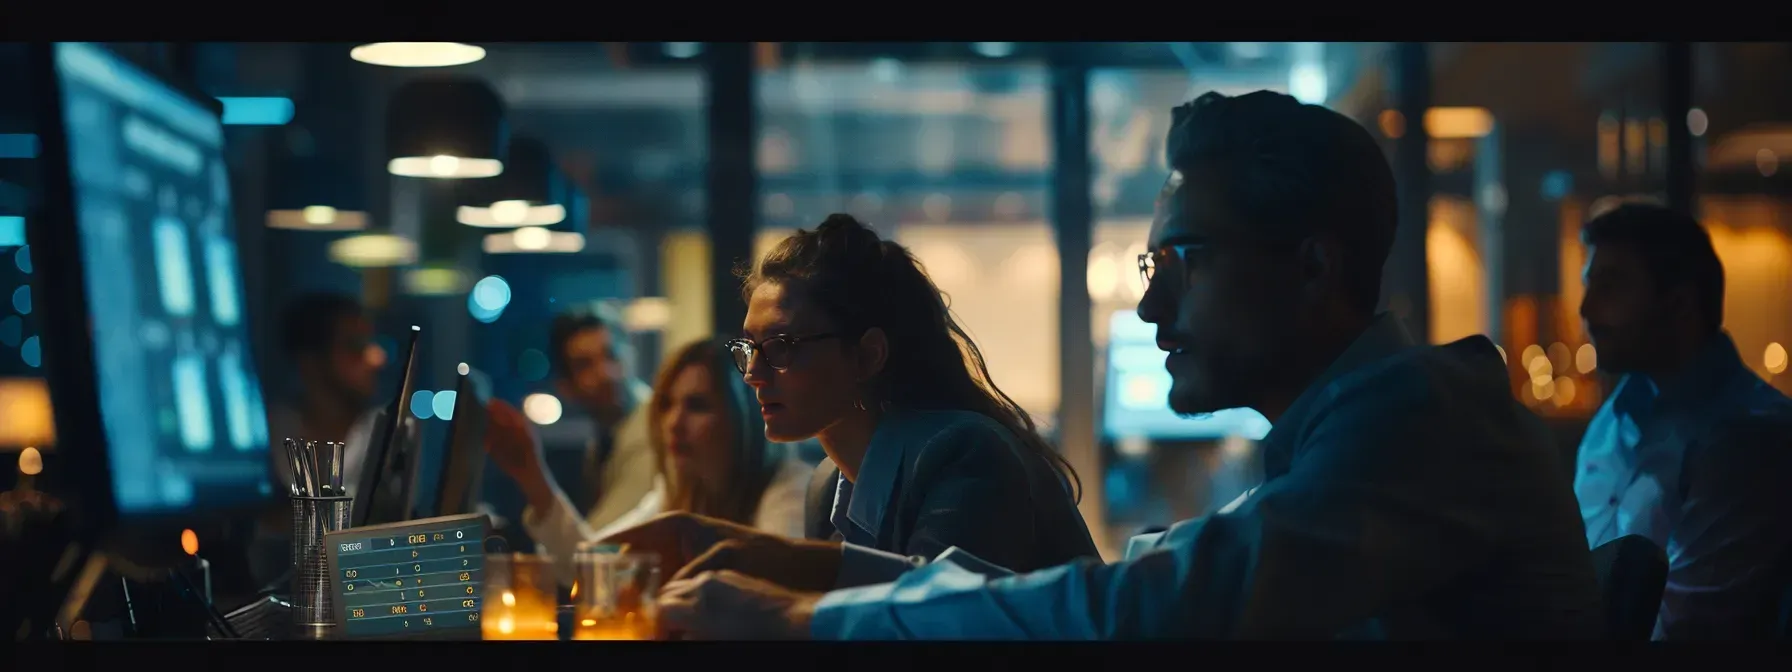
(308, 460)
(338, 450)
(294, 463)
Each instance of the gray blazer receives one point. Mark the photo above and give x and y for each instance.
(938, 479)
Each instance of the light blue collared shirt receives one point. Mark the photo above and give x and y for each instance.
(1385, 489)
(1700, 467)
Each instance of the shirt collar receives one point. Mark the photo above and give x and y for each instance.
(869, 495)
(1384, 337)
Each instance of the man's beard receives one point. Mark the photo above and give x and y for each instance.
(1203, 401)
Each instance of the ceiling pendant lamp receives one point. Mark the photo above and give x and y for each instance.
(446, 128)
(311, 194)
(434, 280)
(534, 240)
(374, 250)
(417, 54)
(565, 237)
(531, 192)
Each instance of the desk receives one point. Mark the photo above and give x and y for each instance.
(270, 619)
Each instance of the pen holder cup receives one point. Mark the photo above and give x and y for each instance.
(312, 517)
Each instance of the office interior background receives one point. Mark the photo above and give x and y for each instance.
(1023, 175)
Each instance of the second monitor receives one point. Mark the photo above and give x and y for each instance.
(458, 488)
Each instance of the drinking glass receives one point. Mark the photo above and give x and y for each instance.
(519, 598)
(613, 597)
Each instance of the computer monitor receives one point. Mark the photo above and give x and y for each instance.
(384, 495)
(146, 346)
(395, 499)
(1137, 403)
(463, 458)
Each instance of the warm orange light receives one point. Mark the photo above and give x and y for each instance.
(25, 407)
(1458, 122)
(189, 542)
(1453, 263)
(31, 462)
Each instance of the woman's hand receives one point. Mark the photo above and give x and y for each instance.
(513, 446)
(797, 564)
(730, 606)
(678, 537)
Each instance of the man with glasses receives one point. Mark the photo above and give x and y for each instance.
(1407, 494)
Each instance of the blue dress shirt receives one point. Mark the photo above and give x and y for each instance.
(1700, 465)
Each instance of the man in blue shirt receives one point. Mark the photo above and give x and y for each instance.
(1407, 494)
(1692, 450)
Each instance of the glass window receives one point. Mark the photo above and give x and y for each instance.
(1742, 133)
(950, 158)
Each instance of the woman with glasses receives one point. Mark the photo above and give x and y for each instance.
(847, 340)
(712, 452)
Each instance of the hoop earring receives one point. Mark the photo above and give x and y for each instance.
(859, 404)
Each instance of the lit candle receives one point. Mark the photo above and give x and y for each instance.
(519, 600)
(617, 596)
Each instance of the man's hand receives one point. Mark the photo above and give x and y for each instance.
(729, 606)
(678, 537)
(797, 564)
(512, 445)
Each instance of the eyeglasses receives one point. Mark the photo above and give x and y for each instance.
(1172, 257)
(1175, 257)
(777, 350)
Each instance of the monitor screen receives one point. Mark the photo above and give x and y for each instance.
(418, 578)
(1137, 403)
(179, 399)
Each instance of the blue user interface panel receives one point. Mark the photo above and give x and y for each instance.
(179, 397)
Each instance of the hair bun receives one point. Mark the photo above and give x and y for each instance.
(842, 224)
(855, 239)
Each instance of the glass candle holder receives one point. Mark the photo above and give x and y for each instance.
(613, 597)
(519, 598)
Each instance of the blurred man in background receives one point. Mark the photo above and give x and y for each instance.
(1692, 449)
(328, 340)
(619, 466)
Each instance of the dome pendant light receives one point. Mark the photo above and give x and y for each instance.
(446, 128)
(531, 192)
(417, 54)
(374, 250)
(313, 194)
(565, 237)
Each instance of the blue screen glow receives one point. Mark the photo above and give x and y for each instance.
(179, 398)
(257, 111)
(12, 231)
(1137, 403)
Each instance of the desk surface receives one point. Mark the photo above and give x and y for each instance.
(270, 618)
